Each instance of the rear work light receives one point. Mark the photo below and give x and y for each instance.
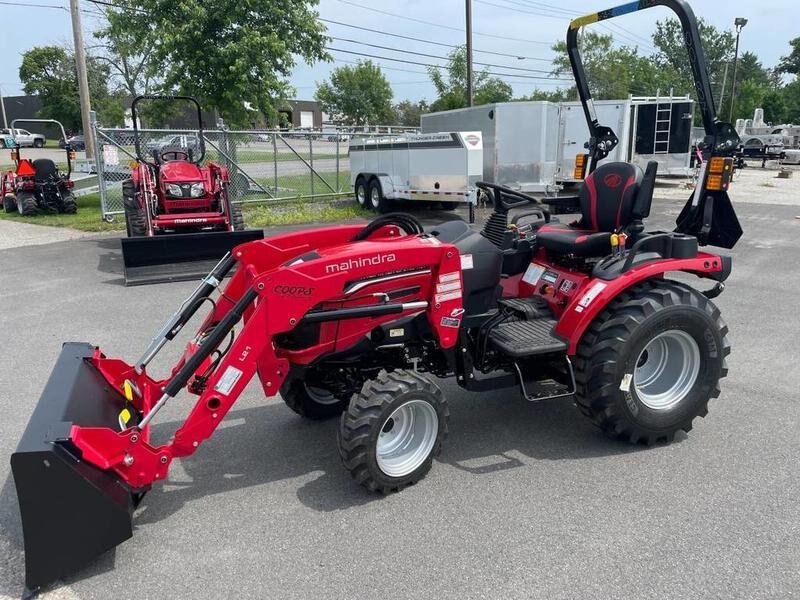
(720, 172)
(581, 162)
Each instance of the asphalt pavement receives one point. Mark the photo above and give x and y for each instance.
(526, 500)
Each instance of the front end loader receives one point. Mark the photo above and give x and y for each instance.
(358, 322)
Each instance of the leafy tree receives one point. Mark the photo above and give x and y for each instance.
(357, 95)
(774, 107)
(791, 97)
(451, 87)
(557, 95)
(749, 96)
(49, 73)
(408, 113)
(612, 72)
(230, 53)
(791, 63)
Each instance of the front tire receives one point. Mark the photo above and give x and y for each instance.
(135, 221)
(9, 204)
(392, 430)
(237, 219)
(309, 400)
(651, 362)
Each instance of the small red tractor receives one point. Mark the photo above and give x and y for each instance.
(172, 191)
(37, 186)
(358, 322)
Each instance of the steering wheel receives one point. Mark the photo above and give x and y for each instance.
(499, 191)
(176, 155)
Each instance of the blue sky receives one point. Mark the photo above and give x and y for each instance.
(523, 28)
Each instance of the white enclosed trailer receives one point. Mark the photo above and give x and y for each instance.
(649, 128)
(433, 167)
(520, 141)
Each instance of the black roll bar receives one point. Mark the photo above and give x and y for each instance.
(169, 98)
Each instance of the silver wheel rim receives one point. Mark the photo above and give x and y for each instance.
(320, 395)
(375, 197)
(407, 438)
(361, 195)
(667, 369)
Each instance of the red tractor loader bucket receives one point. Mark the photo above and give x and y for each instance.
(179, 256)
(71, 511)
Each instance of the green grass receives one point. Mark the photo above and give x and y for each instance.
(301, 185)
(87, 219)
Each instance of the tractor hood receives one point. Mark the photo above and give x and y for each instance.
(180, 171)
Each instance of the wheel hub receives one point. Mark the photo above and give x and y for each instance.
(666, 369)
(407, 438)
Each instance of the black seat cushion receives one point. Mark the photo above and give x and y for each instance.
(45, 169)
(607, 200)
(564, 239)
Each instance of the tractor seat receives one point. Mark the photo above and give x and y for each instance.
(612, 198)
(46, 170)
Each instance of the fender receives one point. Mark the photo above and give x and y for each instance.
(598, 293)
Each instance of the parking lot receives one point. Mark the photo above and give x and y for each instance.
(527, 500)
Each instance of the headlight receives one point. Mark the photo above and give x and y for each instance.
(197, 190)
(173, 189)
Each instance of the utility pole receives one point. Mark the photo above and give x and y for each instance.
(3, 107)
(469, 53)
(722, 89)
(83, 79)
(739, 23)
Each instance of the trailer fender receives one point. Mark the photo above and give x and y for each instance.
(387, 187)
(598, 293)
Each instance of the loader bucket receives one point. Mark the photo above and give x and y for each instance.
(71, 511)
(179, 256)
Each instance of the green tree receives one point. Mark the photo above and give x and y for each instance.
(557, 95)
(451, 87)
(774, 107)
(230, 54)
(791, 62)
(48, 72)
(791, 98)
(408, 113)
(749, 96)
(611, 72)
(357, 95)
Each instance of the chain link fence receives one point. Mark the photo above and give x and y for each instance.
(264, 166)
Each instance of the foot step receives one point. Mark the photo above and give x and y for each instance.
(527, 308)
(519, 339)
(559, 384)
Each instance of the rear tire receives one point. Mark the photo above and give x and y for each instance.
(9, 204)
(650, 363)
(26, 204)
(377, 201)
(361, 190)
(392, 430)
(69, 206)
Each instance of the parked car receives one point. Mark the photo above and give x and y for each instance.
(23, 138)
(183, 141)
(76, 142)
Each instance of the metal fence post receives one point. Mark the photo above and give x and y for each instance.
(275, 160)
(338, 176)
(311, 159)
(98, 165)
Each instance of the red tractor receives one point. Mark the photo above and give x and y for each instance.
(359, 321)
(171, 191)
(37, 186)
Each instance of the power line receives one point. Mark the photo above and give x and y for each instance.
(411, 62)
(429, 23)
(424, 41)
(29, 5)
(439, 57)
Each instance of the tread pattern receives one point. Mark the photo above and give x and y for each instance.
(526, 338)
(26, 204)
(69, 205)
(365, 413)
(236, 216)
(134, 215)
(599, 352)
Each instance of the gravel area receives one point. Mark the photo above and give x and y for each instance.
(14, 234)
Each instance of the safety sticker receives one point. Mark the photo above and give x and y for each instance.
(399, 332)
(450, 322)
(533, 273)
(445, 277)
(466, 261)
(448, 287)
(448, 296)
(228, 380)
(590, 295)
(625, 384)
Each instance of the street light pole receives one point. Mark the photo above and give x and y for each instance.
(83, 79)
(739, 23)
(469, 53)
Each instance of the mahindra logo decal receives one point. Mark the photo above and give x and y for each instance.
(612, 180)
(355, 263)
(472, 139)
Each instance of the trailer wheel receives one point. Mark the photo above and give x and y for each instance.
(69, 205)
(9, 203)
(377, 200)
(651, 362)
(361, 191)
(26, 204)
(392, 430)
